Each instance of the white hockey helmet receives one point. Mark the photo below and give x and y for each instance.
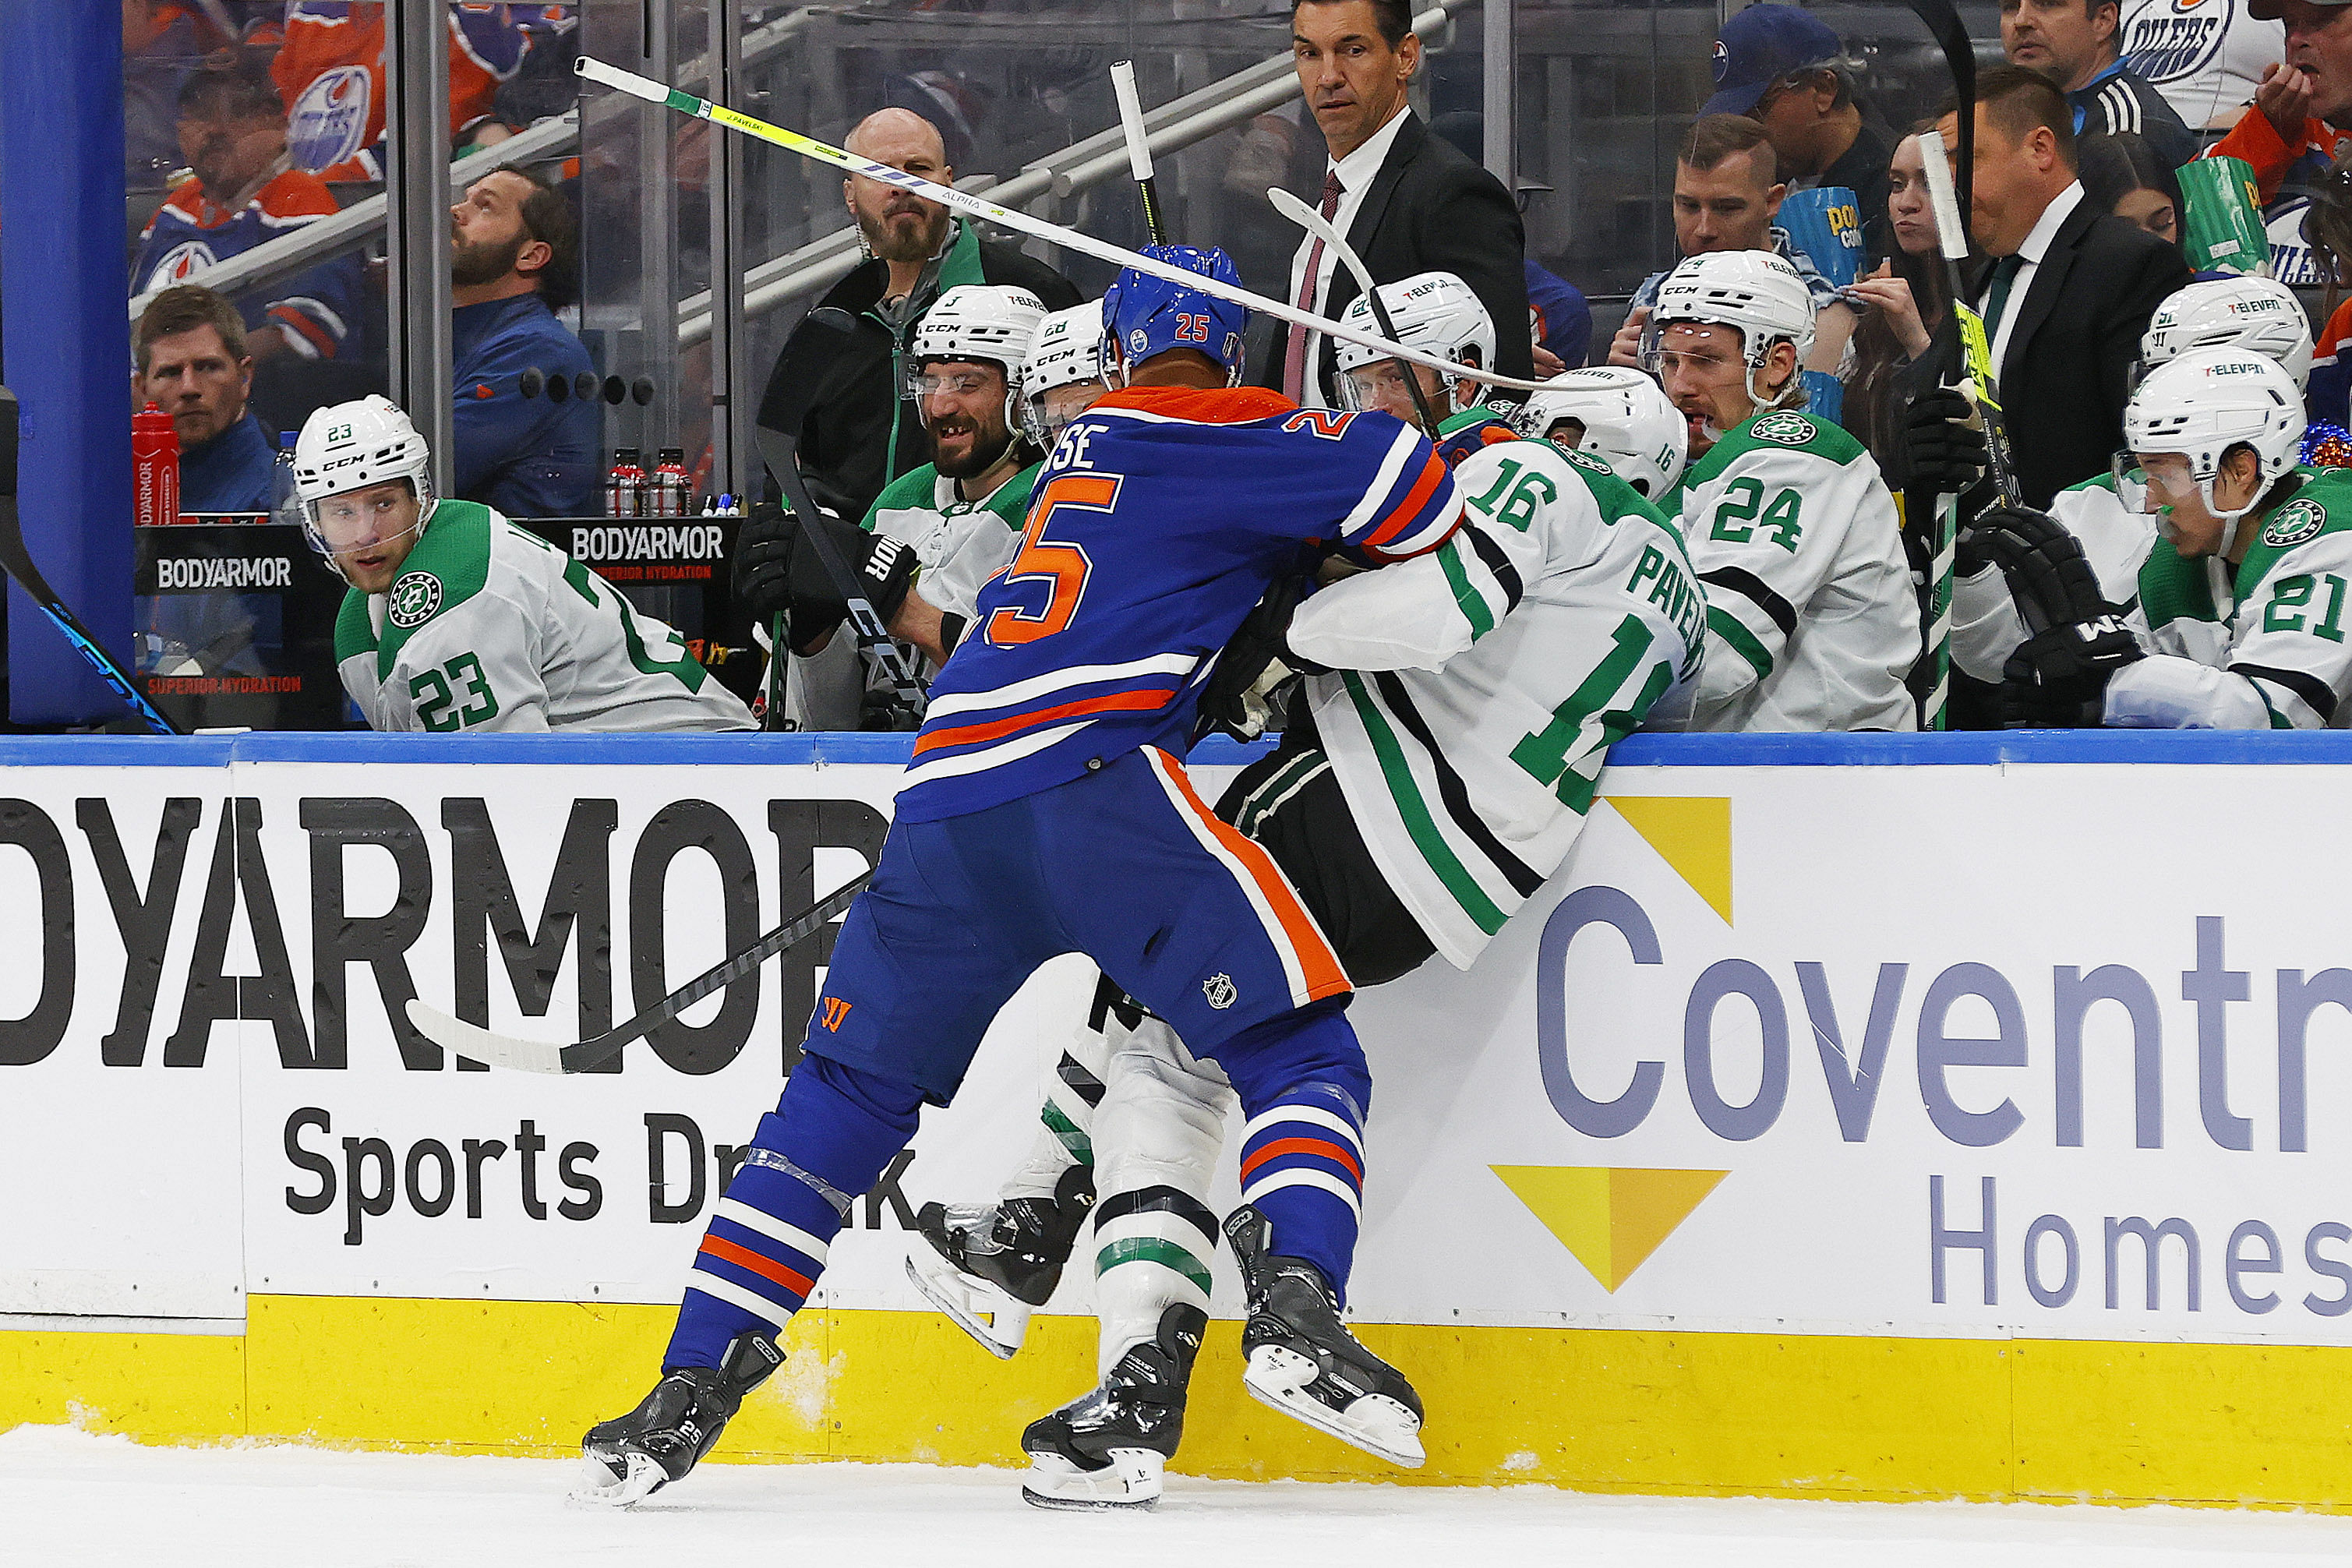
(1628, 423)
(1433, 311)
(352, 445)
(2256, 313)
(1066, 350)
(2206, 401)
(1753, 290)
(991, 324)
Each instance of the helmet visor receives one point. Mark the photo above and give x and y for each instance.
(359, 523)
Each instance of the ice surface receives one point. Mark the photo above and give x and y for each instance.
(66, 1497)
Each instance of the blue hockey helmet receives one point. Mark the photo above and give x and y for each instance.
(1144, 315)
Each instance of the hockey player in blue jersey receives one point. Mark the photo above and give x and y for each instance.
(1046, 812)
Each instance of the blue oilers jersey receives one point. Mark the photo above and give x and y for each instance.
(1160, 519)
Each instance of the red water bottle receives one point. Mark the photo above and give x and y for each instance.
(155, 469)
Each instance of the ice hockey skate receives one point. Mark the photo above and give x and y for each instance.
(1303, 1361)
(1109, 1448)
(989, 1266)
(632, 1457)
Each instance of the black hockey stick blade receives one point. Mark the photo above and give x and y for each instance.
(17, 561)
(472, 1041)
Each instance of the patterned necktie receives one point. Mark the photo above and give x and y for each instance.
(1294, 358)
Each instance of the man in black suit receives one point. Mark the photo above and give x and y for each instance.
(2071, 288)
(1407, 202)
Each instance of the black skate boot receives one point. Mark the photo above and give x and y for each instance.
(1304, 1363)
(1107, 1447)
(634, 1455)
(989, 1264)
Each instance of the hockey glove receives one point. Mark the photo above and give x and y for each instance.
(884, 569)
(764, 554)
(2057, 678)
(1945, 455)
(1239, 699)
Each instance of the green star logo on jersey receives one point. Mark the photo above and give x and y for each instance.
(414, 599)
(1788, 427)
(2295, 522)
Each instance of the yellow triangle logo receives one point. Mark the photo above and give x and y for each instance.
(1692, 834)
(1612, 1219)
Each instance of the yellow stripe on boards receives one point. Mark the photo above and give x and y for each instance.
(1596, 1410)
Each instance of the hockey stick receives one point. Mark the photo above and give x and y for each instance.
(981, 207)
(1960, 357)
(1138, 146)
(480, 1045)
(18, 563)
(780, 451)
(1314, 223)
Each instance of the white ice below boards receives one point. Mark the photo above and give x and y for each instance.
(68, 1497)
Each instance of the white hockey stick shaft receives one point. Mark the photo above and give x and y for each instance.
(1316, 225)
(1130, 120)
(987, 211)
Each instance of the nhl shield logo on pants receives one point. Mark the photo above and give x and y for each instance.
(1220, 991)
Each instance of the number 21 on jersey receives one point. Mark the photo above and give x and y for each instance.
(1065, 568)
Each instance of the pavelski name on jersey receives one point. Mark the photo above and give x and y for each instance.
(1478, 690)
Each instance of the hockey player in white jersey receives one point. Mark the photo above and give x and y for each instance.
(2107, 513)
(1065, 372)
(958, 517)
(457, 620)
(1619, 416)
(1428, 784)
(2242, 612)
(1812, 619)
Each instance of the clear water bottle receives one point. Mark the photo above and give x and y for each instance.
(667, 491)
(285, 501)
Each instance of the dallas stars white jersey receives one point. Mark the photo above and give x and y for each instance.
(2260, 647)
(959, 544)
(1812, 619)
(488, 627)
(1479, 687)
(1985, 627)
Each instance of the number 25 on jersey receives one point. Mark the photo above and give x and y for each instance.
(1063, 568)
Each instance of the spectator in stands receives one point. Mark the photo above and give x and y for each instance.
(1907, 296)
(2292, 134)
(330, 74)
(190, 350)
(2122, 175)
(840, 385)
(1725, 199)
(1407, 202)
(2065, 304)
(2074, 42)
(1780, 67)
(233, 135)
(2329, 396)
(2206, 57)
(514, 262)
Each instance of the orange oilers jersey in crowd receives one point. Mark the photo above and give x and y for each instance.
(331, 73)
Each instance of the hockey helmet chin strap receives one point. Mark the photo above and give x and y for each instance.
(416, 530)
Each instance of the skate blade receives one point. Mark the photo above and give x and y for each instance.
(1279, 1377)
(642, 1479)
(990, 1316)
(1131, 1480)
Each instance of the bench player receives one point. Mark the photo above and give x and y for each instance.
(1045, 812)
(2115, 529)
(1483, 687)
(1618, 415)
(1812, 621)
(458, 620)
(2242, 612)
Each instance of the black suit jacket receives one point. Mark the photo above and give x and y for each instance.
(1433, 210)
(2066, 375)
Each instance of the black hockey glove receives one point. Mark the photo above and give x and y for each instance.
(884, 569)
(2058, 676)
(763, 555)
(1945, 455)
(1242, 696)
